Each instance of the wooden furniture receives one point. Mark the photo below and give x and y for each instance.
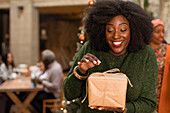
(21, 84)
(52, 104)
(55, 104)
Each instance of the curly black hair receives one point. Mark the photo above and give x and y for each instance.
(101, 12)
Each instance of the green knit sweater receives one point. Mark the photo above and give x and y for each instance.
(140, 67)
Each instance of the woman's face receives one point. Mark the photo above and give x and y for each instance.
(118, 35)
(9, 58)
(158, 34)
(42, 66)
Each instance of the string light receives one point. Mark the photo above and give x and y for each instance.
(91, 2)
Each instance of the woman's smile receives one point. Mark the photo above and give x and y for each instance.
(117, 43)
(118, 35)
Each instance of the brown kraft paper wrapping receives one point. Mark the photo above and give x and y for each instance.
(107, 89)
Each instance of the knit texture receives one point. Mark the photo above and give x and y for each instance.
(140, 67)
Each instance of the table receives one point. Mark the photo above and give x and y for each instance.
(21, 84)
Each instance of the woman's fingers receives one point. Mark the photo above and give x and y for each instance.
(89, 58)
(111, 109)
(88, 61)
(92, 62)
(120, 109)
(93, 59)
(93, 107)
(106, 108)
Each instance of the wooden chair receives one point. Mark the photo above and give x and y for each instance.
(54, 104)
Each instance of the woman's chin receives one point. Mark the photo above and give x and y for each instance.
(117, 53)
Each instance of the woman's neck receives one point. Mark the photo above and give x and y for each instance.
(154, 46)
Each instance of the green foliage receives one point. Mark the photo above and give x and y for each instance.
(138, 1)
(146, 5)
(79, 45)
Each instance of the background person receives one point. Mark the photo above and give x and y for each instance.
(44, 73)
(6, 66)
(52, 81)
(159, 46)
(38, 71)
(3, 97)
(118, 33)
(6, 69)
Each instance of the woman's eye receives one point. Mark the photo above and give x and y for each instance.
(156, 31)
(123, 30)
(110, 31)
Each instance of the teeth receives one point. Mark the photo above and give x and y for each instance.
(117, 43)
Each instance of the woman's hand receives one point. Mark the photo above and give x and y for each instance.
(88, 61)
(120, 110)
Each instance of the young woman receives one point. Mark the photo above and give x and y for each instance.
(118, 33)
(6, 66)
(160, 49)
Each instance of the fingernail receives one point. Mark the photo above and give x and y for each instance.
(68, 102)
(99, 61)
(99, 108)
(87, 60)
(91, 107)
(94, 62)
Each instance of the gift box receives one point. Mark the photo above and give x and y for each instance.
(107, 89)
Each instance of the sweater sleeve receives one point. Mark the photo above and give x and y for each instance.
(146, 103)
(72, 86)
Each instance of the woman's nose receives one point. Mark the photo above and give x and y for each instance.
(162, 34)
(116, 35)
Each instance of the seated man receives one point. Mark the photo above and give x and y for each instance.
(52, 80)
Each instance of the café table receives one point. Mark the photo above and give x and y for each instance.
(21, 84)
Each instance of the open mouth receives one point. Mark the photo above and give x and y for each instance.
(117, 44)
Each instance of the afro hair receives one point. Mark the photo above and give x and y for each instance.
(101, 12)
